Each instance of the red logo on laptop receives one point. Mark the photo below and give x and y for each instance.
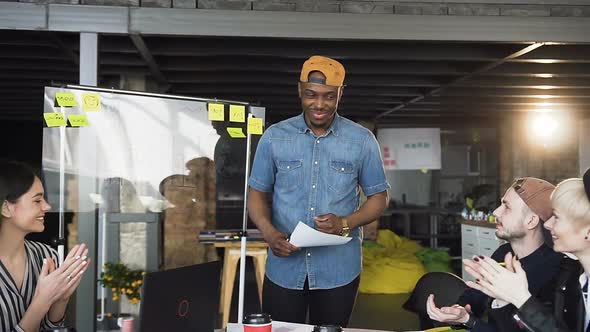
(183, 308)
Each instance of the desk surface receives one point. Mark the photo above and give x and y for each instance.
(237, 244)
(278, 326)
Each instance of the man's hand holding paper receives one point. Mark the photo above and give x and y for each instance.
(278, 243)
(305, 236)
(328, 223)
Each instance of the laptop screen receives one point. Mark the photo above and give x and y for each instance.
(185, 299)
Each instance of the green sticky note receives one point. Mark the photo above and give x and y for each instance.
(78, 120)
(55, 119)
(90, 102)
(66, 99)
(237, 113)
(216, 112)
(235, 132)
(255, 126)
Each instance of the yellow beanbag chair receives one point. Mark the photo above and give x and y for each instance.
(391, 267)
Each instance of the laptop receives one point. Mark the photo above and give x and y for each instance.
(185, 299)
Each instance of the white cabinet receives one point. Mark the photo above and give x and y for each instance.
(477, 240)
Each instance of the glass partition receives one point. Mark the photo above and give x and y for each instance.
(143, 174)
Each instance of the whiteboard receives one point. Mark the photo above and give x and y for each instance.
(410, 148)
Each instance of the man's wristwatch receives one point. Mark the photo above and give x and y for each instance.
(345, 229)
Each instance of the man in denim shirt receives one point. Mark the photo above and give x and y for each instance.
(313, 166)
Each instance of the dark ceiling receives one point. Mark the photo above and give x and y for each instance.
(396, 82)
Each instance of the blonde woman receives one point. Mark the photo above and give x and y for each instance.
(570, 230)
(34, 291)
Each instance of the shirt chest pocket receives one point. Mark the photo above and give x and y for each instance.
(342, 176)
(289, 175)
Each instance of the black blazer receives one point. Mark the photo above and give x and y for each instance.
(566, 313)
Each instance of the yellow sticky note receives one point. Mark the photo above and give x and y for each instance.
(66, 99)
(78, 120)
(235, 132)
(216, 112)
(91, 102)
(55, 119)
(237, 113)
(255, 126)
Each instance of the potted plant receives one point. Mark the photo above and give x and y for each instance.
(123, 283)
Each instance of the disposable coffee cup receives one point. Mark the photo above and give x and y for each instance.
(126, 324)
(257, 323)
(327, 328)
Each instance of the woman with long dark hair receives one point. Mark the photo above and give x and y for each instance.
(34, 290)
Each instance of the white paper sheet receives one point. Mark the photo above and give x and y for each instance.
(305, 236)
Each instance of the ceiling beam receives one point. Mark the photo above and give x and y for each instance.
(32, 52)
(559, 53)
(120, 59)
(526, 82)
(31, 83)
(61, 66)
(443, 109)
(48, 75)
(293, 66)
(167, 21)
(118, 70)
(461, 79)
(486, 100)
(291, 80)
(536, 69)
(150, 61)
(203, 88)
(66, 49)
(513, 92)
(299, 50)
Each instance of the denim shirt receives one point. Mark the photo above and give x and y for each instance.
(310, 176)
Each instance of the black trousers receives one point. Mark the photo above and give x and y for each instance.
(326, 306)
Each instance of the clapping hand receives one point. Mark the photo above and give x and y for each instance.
(506, 284)
(455, 314)
(59, 283)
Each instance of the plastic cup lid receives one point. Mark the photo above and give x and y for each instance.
(261, 318)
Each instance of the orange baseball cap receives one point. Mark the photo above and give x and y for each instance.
(332, 69)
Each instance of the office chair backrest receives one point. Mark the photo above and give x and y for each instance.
(446, 287)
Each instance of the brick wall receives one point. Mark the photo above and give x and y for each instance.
(568, 8)
(193, 210)
(521, 156)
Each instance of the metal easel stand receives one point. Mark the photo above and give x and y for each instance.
(244, 234)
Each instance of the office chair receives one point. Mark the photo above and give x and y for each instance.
(446, 287)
